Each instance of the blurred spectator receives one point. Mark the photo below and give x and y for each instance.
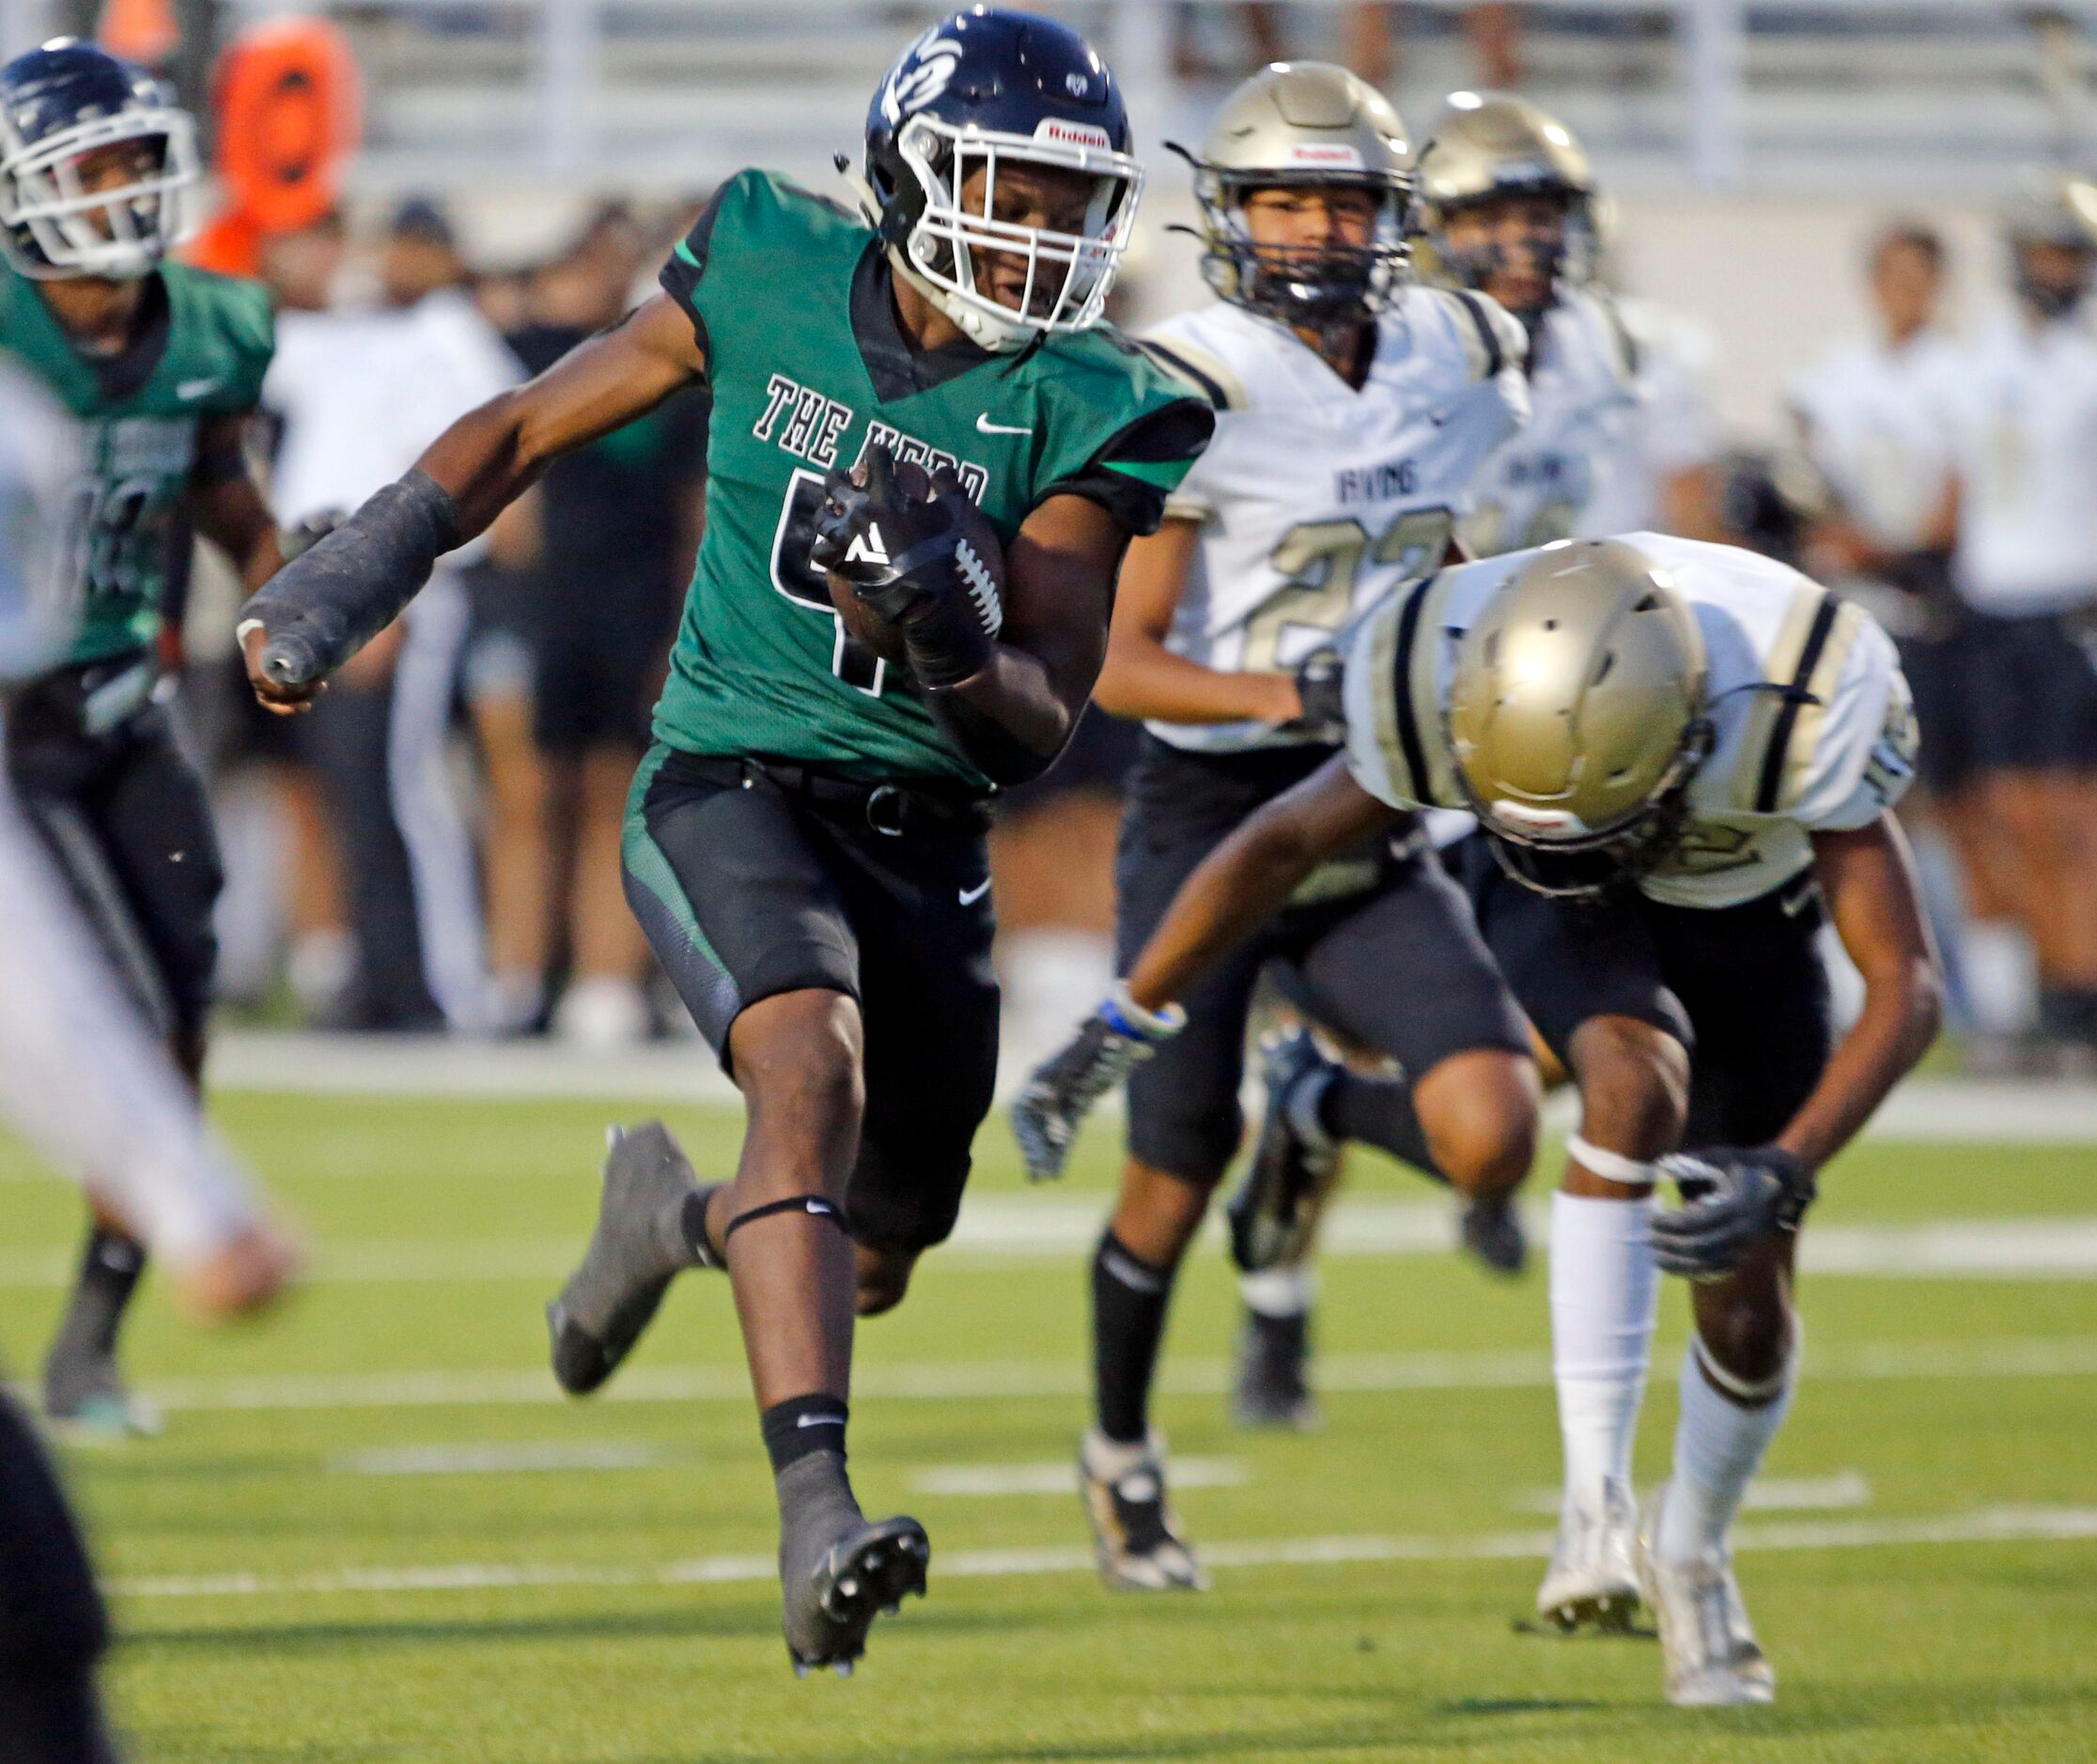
(2021, 401)
(1368, 41)
(613, 530)
(359, 395)
(1869, 419)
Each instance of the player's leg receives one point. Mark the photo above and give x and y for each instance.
(52, 1630)
(1403, 975)
(136, 841)
(1184, 1127)
(739, 890)
(1588, 978)
(1755, 987)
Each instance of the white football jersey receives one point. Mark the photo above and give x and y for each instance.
(1875, 420)
(1316, 501)
(1833, 755)
(1583, 418)
(2022, 406)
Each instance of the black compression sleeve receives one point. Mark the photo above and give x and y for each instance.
(331, 600)
(986, 743)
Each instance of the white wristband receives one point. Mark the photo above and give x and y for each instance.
(1612, 1167)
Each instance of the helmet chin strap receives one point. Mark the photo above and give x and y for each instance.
(979, 327)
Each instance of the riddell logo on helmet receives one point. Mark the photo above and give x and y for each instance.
(1072, 133)
(1322, 153)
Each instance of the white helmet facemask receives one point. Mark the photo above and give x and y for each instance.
(52, 226)
(1068, 274)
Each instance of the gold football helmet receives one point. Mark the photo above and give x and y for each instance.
(1577, 717)
(2050, 228)
(1298, 123)
(1489, 146)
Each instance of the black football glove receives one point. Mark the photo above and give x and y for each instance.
(1111, 1041)
(1731, 1198)
(1321, 689)
(916, 562)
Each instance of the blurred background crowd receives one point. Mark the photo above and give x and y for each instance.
(1885, 373)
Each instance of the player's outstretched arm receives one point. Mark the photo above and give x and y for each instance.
(325, 605)
(1247, 878)
(1735, 1195)
(1144, 679)
(1868, 877)
(1250, 876)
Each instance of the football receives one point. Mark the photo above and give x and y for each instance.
(863, 624)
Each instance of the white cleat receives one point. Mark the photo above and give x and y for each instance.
(1594, 1576)
(1707, 1644)
(1135, 1537)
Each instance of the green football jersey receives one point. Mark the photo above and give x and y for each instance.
(203, 353)
(791, 300)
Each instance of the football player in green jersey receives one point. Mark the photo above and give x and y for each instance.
(925, 461)
(161, 366)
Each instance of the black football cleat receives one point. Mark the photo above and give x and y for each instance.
(1273, 1389)
(1492, 1234)
(1271, 1211)
(639, 1246)
(838, 1572)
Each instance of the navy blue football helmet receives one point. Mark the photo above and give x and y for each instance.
(990, 89)
(67, 102)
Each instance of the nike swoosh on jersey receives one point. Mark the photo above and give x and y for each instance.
(970, 896)
(191, 389)
(985, 427)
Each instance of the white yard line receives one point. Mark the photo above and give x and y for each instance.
(1844, 1490)
(506, 1458)
(1996, 1524)
(2037, 1356)
(997, 1229)
(1959, 1110)
(1059, 1476)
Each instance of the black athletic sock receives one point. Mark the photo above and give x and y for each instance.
(1129, 1301)
(802, 1425)
(1377, 1112)
(109, 1272)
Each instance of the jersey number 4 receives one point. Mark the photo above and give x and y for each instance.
(851, 662)
(1322, 560)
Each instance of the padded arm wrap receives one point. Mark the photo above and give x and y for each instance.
(328, 602)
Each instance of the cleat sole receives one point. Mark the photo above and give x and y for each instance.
(872, 1576)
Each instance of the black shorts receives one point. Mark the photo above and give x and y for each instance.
(1932, 667)
(1388, 958)
(2025, 695)
(129, 822)
(1742, 988)
(753, 879)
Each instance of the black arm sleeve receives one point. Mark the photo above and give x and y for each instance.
(1174, 432)
(328, 602)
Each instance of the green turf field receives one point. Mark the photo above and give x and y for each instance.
(373, 1531)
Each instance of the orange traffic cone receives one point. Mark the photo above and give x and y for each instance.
(143, 31)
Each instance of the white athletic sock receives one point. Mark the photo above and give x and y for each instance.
(1605, 1291)
(1719, 1447)
(1279, 1292)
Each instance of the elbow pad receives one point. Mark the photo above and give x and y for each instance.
(986, 744)
(334, 598)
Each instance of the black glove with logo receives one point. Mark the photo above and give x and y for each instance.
(1731, 1198)
(928, 562)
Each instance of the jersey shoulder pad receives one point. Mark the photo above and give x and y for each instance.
(1124, 428)
(1490, 336)
(1200, 353)
(1851, 753)
(226, 323)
